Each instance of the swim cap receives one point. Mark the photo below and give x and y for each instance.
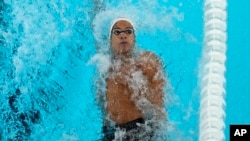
(120, 19)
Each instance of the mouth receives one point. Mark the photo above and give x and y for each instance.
(123, 43)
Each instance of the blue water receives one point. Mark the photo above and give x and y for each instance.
(47, 84)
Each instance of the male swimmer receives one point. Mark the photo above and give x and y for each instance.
(134, 87)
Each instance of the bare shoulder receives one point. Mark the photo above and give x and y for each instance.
(148, 59)
(149, 63)
(147, 56)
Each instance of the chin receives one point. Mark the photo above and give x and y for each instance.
(127, 52)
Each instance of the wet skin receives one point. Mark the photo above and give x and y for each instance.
(121, 107)
(123, 43)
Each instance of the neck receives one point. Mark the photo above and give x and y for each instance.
(123, 57)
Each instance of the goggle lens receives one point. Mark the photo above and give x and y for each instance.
(118, 31)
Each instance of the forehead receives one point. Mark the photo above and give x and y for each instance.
(122, 24)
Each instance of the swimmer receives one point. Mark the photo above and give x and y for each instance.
(133, 86)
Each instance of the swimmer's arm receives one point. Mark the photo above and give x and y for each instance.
(149, 64)
(151, 68)
(156, 92)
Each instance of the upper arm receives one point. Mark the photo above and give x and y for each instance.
(151, 67)
(149, 64)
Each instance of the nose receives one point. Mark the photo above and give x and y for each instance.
(123, 35)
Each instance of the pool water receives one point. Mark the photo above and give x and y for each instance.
(47, 85)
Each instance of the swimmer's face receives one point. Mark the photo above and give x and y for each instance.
(122, 37)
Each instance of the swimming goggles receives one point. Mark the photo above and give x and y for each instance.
(119, 31)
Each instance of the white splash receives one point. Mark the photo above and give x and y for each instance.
(102, 62)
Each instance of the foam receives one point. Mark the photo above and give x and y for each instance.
(102, 62)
